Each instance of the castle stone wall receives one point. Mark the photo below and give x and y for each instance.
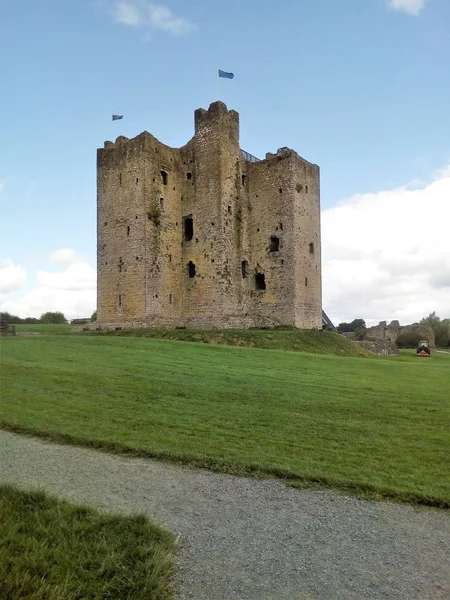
(201, 237)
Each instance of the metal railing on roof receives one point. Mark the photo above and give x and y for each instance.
(326, 321)
(249, 156)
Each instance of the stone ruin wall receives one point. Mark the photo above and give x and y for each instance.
(391, 332)
(249, 219)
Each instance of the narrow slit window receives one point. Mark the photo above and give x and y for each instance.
(260, 281)
(189, 175)
(161, 203)
(120, 178)
(188, 229)
(244, 179)
(128, 230)
(191, 269)
(311, 248)
(164, 177)
(306, 282)
(274, 244)
(120, 299)
(244, 269)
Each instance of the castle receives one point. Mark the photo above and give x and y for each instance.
(206, 235)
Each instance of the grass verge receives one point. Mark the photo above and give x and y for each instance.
(374, 426)
(52, 549)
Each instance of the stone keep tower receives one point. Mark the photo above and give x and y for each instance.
(206, 235)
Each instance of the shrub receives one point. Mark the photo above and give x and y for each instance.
(53, 317)
(408, 339)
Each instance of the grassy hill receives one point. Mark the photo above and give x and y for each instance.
(279, 338)
(378, 426)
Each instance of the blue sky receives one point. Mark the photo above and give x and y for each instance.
(360, 87)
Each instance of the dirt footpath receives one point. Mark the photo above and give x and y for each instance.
(251, 539)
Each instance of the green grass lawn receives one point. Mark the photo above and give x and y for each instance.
(377, 426)
(53, 550)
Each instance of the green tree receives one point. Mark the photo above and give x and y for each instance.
(353, 326)
(11, 319)
(358, 324)
(94, 316)
(432, 320)
(53, 317)
(440, 328)
(408, 339)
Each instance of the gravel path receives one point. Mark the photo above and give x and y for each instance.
(252, 539)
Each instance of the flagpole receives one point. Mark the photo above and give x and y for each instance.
(217, 85)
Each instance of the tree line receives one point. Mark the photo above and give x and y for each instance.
(55, 317)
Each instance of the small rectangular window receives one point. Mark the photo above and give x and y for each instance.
(274, 244)
(244, 269)
(189, 175)
(260, 281)
(164, 177)
(128, 230)
(311, 248)
(306, 281)
(188, 225)
(120, 299)
(244, 179)
(191, 269)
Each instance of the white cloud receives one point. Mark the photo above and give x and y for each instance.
(127, 13)
(387, 256)
(144, 13)
(71, 290)
(76, 277)
(410, 7)
(65, 256)
(12, 276)
(40, 300)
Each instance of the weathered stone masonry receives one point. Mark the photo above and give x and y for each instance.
(200, 236)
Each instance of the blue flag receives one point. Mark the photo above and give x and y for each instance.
(117, 117)
(226, 75)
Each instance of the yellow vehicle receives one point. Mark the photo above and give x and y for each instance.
(423, 349)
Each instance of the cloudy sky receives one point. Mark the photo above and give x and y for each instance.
(360, 87)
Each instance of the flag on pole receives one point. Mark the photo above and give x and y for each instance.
(226, 75)
(117, 117)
